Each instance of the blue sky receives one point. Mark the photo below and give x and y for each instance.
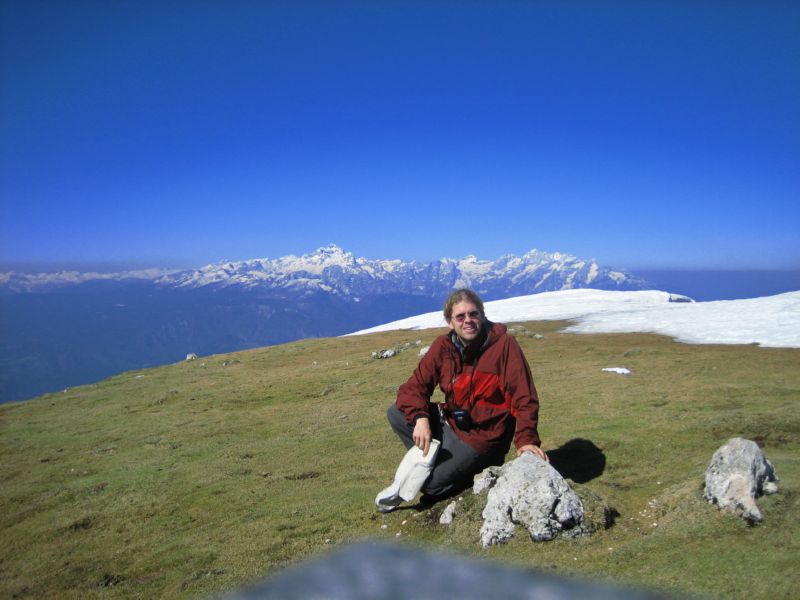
(640, 133)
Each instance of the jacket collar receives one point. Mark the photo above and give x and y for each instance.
(489, 334)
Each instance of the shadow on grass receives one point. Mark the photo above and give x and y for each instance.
(579, 460)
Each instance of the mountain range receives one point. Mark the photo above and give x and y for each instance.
(333, 270)
(69, 327)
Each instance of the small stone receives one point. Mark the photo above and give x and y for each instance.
(448, 514)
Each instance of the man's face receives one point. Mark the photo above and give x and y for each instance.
(466, 320)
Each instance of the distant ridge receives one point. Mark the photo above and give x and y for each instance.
(333, 270)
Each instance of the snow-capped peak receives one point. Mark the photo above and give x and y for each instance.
(334, 270)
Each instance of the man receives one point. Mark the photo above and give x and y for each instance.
(490, 400)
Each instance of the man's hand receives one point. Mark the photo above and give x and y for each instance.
(422, 435)
(535, 449)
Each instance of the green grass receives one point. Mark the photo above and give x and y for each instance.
(189, 480)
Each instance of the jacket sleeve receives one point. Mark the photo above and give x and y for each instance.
(415, 394)
(522, 394)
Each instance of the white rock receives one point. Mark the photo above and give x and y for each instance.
(448, 514)
(485, 479)
(532, 493)
(739, 473)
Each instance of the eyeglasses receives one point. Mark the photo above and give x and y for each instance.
(473, 314)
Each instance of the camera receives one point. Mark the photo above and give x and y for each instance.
(462, 418)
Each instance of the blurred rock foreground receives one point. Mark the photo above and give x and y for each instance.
(378, 571)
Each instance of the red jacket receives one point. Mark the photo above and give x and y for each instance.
(493, 382)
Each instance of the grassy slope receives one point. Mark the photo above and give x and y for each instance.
(190, 479)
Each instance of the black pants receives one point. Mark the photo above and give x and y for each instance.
(457, 462)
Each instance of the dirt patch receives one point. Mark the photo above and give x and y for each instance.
(109, 580)
(302, 476)
(81, 524)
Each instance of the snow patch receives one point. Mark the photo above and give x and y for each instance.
(618, 370)
(772, 321)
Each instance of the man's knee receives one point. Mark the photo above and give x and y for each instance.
(438, 486)
(396, 417)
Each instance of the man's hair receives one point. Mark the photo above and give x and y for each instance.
(462, 295)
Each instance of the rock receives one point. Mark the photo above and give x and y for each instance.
(386, 571)
(530, 492)
(448, 514)
(423, 351)
(679, 298)
(191, 356)
(739, 473)
(485, 479)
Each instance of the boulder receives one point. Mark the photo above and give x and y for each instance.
(529, 492)
(738, 474)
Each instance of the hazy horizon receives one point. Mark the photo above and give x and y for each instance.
(111, 266)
